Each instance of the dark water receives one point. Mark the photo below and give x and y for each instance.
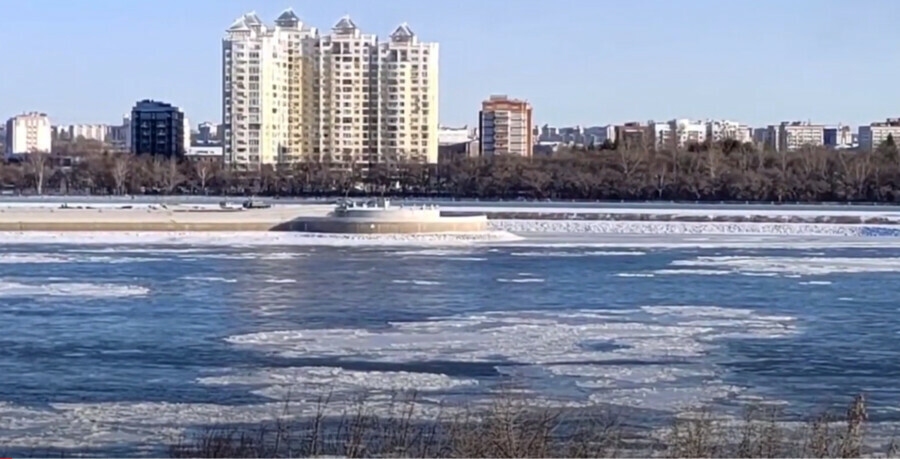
(109, 345)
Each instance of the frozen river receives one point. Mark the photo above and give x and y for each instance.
(117, 340)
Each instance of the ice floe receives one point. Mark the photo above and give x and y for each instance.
(458, 254)
(210, 279)
(59, 258)
(415, 282)
(281, 281)
(310, 383)
(529, 337)
(521, 280)
(576, 254)
(70, 289)
(806, 266)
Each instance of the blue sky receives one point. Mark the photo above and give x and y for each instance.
(578, 61)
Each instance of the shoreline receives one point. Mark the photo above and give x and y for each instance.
(148, 217)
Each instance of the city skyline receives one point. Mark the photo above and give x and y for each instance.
(654, 60)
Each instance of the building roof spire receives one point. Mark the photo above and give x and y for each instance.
(287, 18)
(403, 32)
(345, 24)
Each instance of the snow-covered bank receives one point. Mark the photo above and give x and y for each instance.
(651, 227)
(249, 238)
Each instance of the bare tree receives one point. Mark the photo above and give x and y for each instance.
(121, 166)
(171, 177)
(37, 168)
(203, 170)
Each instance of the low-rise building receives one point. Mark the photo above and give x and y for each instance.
(452, 135)
(448, 152)
(28, 133)
(871, 136)
(211, 153)
(632, 135)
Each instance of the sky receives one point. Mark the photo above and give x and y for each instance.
(587, 62)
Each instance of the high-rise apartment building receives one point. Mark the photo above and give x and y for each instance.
(871, 136)
(796, 134)
(157, 128)
(505, 127)
(28, 133)
(346, 98)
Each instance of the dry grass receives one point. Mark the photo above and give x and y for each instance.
(511, 428)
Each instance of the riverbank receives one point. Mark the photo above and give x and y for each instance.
(92, 216)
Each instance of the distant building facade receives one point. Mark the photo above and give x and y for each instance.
(598, 135)
(207, 134)
(505, 127)
(120, 136)
(838, 137)
(793, 135)
(687, 132)
(632, 135)
(450, 135)
(662, 133)
(209, 153)
(871, 136)
(98, 132)
(721, 130)
(157, 128)
(28, 133)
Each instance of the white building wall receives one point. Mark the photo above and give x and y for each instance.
(719, 130)
(794, 135)
(663, 135)
(28, 133)
(451, 136)
(686, 132)
(96, 132)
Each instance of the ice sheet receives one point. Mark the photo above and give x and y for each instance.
(693, 228)
(252, 238)
(311, 383)
(60, 258)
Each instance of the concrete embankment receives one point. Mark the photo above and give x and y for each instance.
(150, 219)
(310, 218)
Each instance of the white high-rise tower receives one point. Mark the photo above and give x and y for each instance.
(345, 99)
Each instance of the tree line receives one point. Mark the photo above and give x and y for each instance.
(726, 171)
